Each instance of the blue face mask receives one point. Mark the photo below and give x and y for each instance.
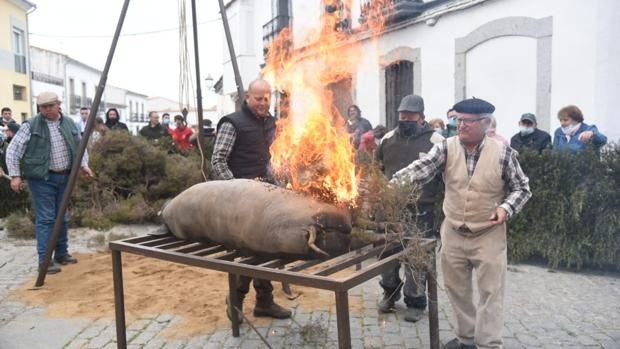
(526, 130)
(452, 121)
(407, 128)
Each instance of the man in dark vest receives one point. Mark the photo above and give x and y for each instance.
(241, 150)
(412, 138)
(42, 152)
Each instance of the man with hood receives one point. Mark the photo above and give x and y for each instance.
(112, 120)
(411, 139)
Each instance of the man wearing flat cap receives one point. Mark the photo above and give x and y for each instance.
(42, 152)
(529, 135)
(412, 138)
(484, 186)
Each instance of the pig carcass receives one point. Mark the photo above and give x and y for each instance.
(258, 217)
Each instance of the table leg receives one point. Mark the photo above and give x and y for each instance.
(119, 300)
(342, 316)
(433, 306)
(234, 303)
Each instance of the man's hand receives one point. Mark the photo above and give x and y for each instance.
(88, 172)
(16, 184)
(499, 216)
(586, 136)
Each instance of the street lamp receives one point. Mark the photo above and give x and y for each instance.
(209, 82)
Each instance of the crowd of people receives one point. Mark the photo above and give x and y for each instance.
(477, 169)
(573, 135)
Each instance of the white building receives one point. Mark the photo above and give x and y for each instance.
(521, 55)
(164, 105)
(48, 74)
(76, 83)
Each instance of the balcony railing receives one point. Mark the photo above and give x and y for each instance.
(272, 29)
(393, 11)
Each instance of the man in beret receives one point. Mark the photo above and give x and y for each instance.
(484, 186)
(41, 152)
(529, 135)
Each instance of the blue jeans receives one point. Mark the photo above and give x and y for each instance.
(46, 198)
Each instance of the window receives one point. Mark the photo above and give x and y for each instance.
(398, 84)
(19, 93)
(18, 50)
(84, 92)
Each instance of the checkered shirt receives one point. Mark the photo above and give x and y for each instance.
(60, 155)
(425, 169)
(224, 142)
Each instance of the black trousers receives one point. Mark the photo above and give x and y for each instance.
(263, 288)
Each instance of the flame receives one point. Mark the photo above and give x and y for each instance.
(312, 149)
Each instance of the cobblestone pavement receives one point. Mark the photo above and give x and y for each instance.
(544, 309)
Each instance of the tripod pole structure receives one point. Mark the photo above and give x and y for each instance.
(233, 56)
(77, 161)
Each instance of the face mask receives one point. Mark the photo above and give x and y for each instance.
(166, 122)
(571, 129)
(452, 121)
(439, 130)
(526, 130)
(407, 128)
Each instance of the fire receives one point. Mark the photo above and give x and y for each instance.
(312, 149)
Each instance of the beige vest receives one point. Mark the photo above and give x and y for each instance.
(470, 202)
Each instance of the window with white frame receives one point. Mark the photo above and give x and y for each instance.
(19, 54)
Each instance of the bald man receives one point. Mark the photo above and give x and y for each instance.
(241, 150)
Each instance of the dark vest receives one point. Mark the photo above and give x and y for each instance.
(35, 163)
(398, 151)
(250, 154)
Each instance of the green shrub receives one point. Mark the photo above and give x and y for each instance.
(133, 177)
(11, 201)
(573, 217)
(20, 225)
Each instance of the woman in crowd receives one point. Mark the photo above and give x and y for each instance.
(439, 127)
(573, 135)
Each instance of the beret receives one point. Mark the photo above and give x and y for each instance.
(474, 106)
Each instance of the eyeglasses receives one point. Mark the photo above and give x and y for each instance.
(467, 121)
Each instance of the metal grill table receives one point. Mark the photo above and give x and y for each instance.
(309, 273)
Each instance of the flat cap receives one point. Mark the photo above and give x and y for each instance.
(474, 106)
(529, 117)
(47, 98)
(412, 103)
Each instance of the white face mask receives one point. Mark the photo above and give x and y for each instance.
(439, 130)
(526, 130)
(571, 129)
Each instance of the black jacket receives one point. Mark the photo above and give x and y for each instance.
(537, 140)
(250, 154)
(396, 151)
(156, 132)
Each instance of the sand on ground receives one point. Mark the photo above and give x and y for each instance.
(154, 287)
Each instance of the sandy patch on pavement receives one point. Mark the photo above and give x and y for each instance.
(154, 287)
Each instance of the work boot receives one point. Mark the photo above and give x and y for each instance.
(414, 314)
(386, 305)
(230, 310)
(271, 309)
(455, 344)
(53, 268)
(66, 259)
